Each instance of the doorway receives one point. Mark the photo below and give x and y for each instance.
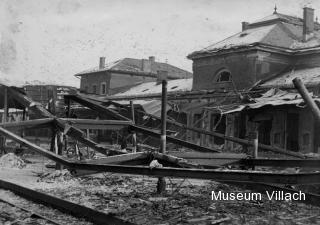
(292, 130)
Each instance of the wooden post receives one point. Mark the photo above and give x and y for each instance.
(161, 187)
(253, 136)
(88, 136)
(134, 135)
(68, 107)
(5, 105)
(4, 118)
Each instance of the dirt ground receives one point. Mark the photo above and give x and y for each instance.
(134, 198)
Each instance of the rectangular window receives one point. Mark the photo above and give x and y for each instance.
(94, 89)
(103, 88)
(86, 89)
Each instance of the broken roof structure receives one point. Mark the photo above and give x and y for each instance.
(279, 32)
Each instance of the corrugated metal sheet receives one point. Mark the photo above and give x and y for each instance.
(273, 97)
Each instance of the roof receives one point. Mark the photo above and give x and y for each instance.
(276, 30)
(130, 65)
(309, 76)
(156, 87)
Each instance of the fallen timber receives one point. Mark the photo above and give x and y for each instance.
(103, 110)
(97, 107)
(233, 176)
(89, 214)
(27, 124)
(62, 125)
(171, 139)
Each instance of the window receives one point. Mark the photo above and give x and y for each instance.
(86, 89)
(223, 76)
(103, 88)
(94, 89)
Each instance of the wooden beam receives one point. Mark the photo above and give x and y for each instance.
(27, 124)
(80, 136)
(97, 107)
(97, 124)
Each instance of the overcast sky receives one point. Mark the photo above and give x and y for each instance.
(51, 40)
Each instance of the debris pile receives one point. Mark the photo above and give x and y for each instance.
(10, 160)
(55, 176)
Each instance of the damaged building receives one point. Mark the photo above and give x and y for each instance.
(266, 54)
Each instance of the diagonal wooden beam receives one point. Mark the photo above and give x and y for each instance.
(37, 123)
(97, 107)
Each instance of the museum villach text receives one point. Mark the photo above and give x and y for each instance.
(256, 196)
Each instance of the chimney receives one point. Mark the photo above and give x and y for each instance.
(152, 58)
(102, 63)
(245, 26)
(308, 23)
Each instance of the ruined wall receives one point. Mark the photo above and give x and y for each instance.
(246, 69)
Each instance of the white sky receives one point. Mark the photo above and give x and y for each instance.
(51, 40)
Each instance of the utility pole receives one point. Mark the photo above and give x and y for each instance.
(161, 187)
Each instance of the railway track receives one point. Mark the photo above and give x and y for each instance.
(20, 205)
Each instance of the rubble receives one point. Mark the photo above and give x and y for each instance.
(55, 176)
(10, 160)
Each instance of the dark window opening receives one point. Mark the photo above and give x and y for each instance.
(224, 76)
(103, 88)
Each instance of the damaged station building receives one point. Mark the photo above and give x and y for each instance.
(240, 85)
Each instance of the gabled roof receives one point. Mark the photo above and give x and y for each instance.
(277, 30)
(130, 65)
(309, 76)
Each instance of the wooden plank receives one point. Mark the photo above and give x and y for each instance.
(37, 123)
(97, 124)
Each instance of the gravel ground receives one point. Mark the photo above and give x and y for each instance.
(134, 198)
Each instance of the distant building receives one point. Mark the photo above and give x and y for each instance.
(119, 76)
(50, 96)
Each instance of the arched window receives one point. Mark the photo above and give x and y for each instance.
(223, 76)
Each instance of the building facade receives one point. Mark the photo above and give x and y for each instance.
(121, 75)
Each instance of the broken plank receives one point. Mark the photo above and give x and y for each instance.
(97, 124)
(173, 140)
